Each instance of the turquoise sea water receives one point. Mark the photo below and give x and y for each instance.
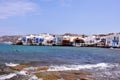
(102, 63)
(57, 55)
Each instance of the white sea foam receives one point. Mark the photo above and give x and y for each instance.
(33, 77)
(30, 68)
(79, 67)
(11, 64)
(107, 75)
(22, 73)
(4, 77)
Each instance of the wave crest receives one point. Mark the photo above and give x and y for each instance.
(4, 77)
(79, 67)
(11, 64)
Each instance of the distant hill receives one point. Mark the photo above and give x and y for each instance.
(12, 39)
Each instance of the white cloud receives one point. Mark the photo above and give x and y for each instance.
(15, 8)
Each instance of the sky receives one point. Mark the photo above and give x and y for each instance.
(22, 17)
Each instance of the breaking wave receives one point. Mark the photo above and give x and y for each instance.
(11, 64)
(23, 73)
(79, 67)
(99, 70)
(4, 77)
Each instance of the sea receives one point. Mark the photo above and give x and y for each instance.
(58, 63)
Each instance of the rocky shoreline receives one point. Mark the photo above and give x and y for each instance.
(41, 74)
(28, 72)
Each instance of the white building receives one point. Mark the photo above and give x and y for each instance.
(41, 39)
(90, 40)
(113, 40)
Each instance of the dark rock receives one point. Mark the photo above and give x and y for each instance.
(19, 77)
(5, 70)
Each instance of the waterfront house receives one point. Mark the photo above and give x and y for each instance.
(78, 41)
(26, 40)
(31, 40)
(102, 42)
(66, 41)
(48, 39)
(57, 40)
(90, 40)
(111, 40)
(114, 40)
(18, 42)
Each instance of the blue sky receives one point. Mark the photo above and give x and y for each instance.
(59, 16)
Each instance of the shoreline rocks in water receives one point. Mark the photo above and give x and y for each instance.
(5, 70)
(42, 73)
(20, 67)
(65, 75)
(27, 72)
